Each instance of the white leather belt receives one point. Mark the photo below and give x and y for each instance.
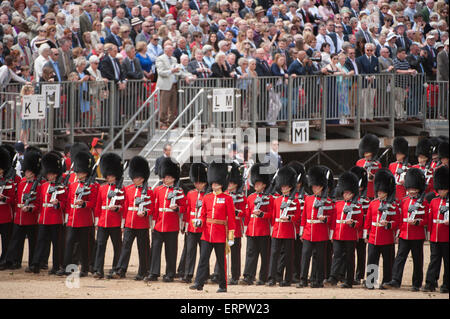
(314, 221)
(377, 224)
(279, 220)
(135, 209)
(438, 221)
(341, 221)
(166, 210)
(74, 206)
(48, 205)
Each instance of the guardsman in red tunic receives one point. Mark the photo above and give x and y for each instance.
(109, 211)
(218, 225)
(137, 209)
(443, 154)
(423, 153)
(414, 218)
(258, 218)
(435, 142)
(438, 233)
(345, 224)
(400, 166)
(82, 198)
(285, 213)
(315, 225)
(53, 202)
(26, 213)
(235, 190)
(368, 150)
(170, 205)
(194, 209)
(381, 224)
(7, 199)
(364, 201)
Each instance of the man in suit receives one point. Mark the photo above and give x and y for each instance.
(65, 59)
(195, 5)
(427, 10)
(131, 67)
(430, 62)
(198, 67)
(24, 49)
(368, 64)
(86, 18)
(167, 153)
(416, 60)
(182, 48)
(323, 37)
(351, 65)
(273, 158)
(386, 63)
(442, 75)
(77, 39)
(402, 39)
(283, 50)
(114, 38)
(332, 34)
(297, 67)
(53, 63)
(168, 73)
(247, 9)
(262, 68)
(222, 29)
(363, 32)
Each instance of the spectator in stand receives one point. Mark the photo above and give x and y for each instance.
(144, 60)
(367, 65)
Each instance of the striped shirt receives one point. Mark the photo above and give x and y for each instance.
(401, 79)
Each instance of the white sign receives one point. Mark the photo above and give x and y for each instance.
(300, 132)
(223, 100)
(51, 92)
(33, 107)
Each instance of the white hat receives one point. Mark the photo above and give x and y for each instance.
(390, 36)
(446, 42)
(430, 36)
(438, 45)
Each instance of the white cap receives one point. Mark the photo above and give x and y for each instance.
(430, 36)
(390, 36)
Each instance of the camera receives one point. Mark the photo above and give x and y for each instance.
(316, 59)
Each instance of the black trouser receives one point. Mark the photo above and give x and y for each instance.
(5, 233)
(373, 258)
(192, 241)
(92, 247)
(343, 254)
(361, 259)
(279, 244)
(203, 264)
(439, 251)
(48, 234)
(328, 256)
(182, 263)
(103, 234)
(143, 245)
(235, 260)
(257, 246)
(318, 248)
(80, 235)
(170, 240)
(16, 245)
(297, 260)
(404, 247)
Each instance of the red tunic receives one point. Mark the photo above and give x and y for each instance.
(379, 235)
(192, 212)
(7, 206)
(412, 232)
(27, 218)
(167, 220)
(130, 209)
(365, 206)
(285, 229)
(312, 228)
(370, 187)
(109, 218)
(437, 229)
(240, 205)
(81, 217)
(51, 215)
(341, 230)
(217, 211)
(400, 190)
(258, 226)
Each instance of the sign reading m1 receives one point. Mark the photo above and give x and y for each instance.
(33, 107)
(223, 100)
(300, 132)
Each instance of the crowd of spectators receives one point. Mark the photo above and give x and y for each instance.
(160, 41)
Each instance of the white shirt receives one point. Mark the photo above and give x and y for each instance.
(325, 38)
(38, 66)
(6, 75)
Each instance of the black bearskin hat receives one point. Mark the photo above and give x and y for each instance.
(384, 181)
(348, 182)
(300, 169)
(83, 162)
(415, 178)
(5, 160)
(235, 175)
(32, 162)
(361, 173)
(198, 173)
(11, 150)
(435, 141)
(139, 168)
(400, 145)
(440, 178)
(317, 175)
(424, 148)
(286, 176)
(258, 175)
(78, 147)
(169, 167)
(369, 144)
(443, 150)
(111, 164)
(51, 164)
(218, 173)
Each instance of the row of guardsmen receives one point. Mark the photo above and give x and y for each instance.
(292, 221)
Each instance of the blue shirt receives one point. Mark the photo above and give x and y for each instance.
(146, 62)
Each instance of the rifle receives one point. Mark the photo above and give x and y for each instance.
(59, 188)
(414, 209)
(31, 196)
(320, 204)
(348, 209)
(113, 195)
(401, 172)
(371, 165)
(144, 199)
(444, 210)
(9, 177)
(385, 207)
(286, 206)
(176, 194)
(86, 189)
(196, 222)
